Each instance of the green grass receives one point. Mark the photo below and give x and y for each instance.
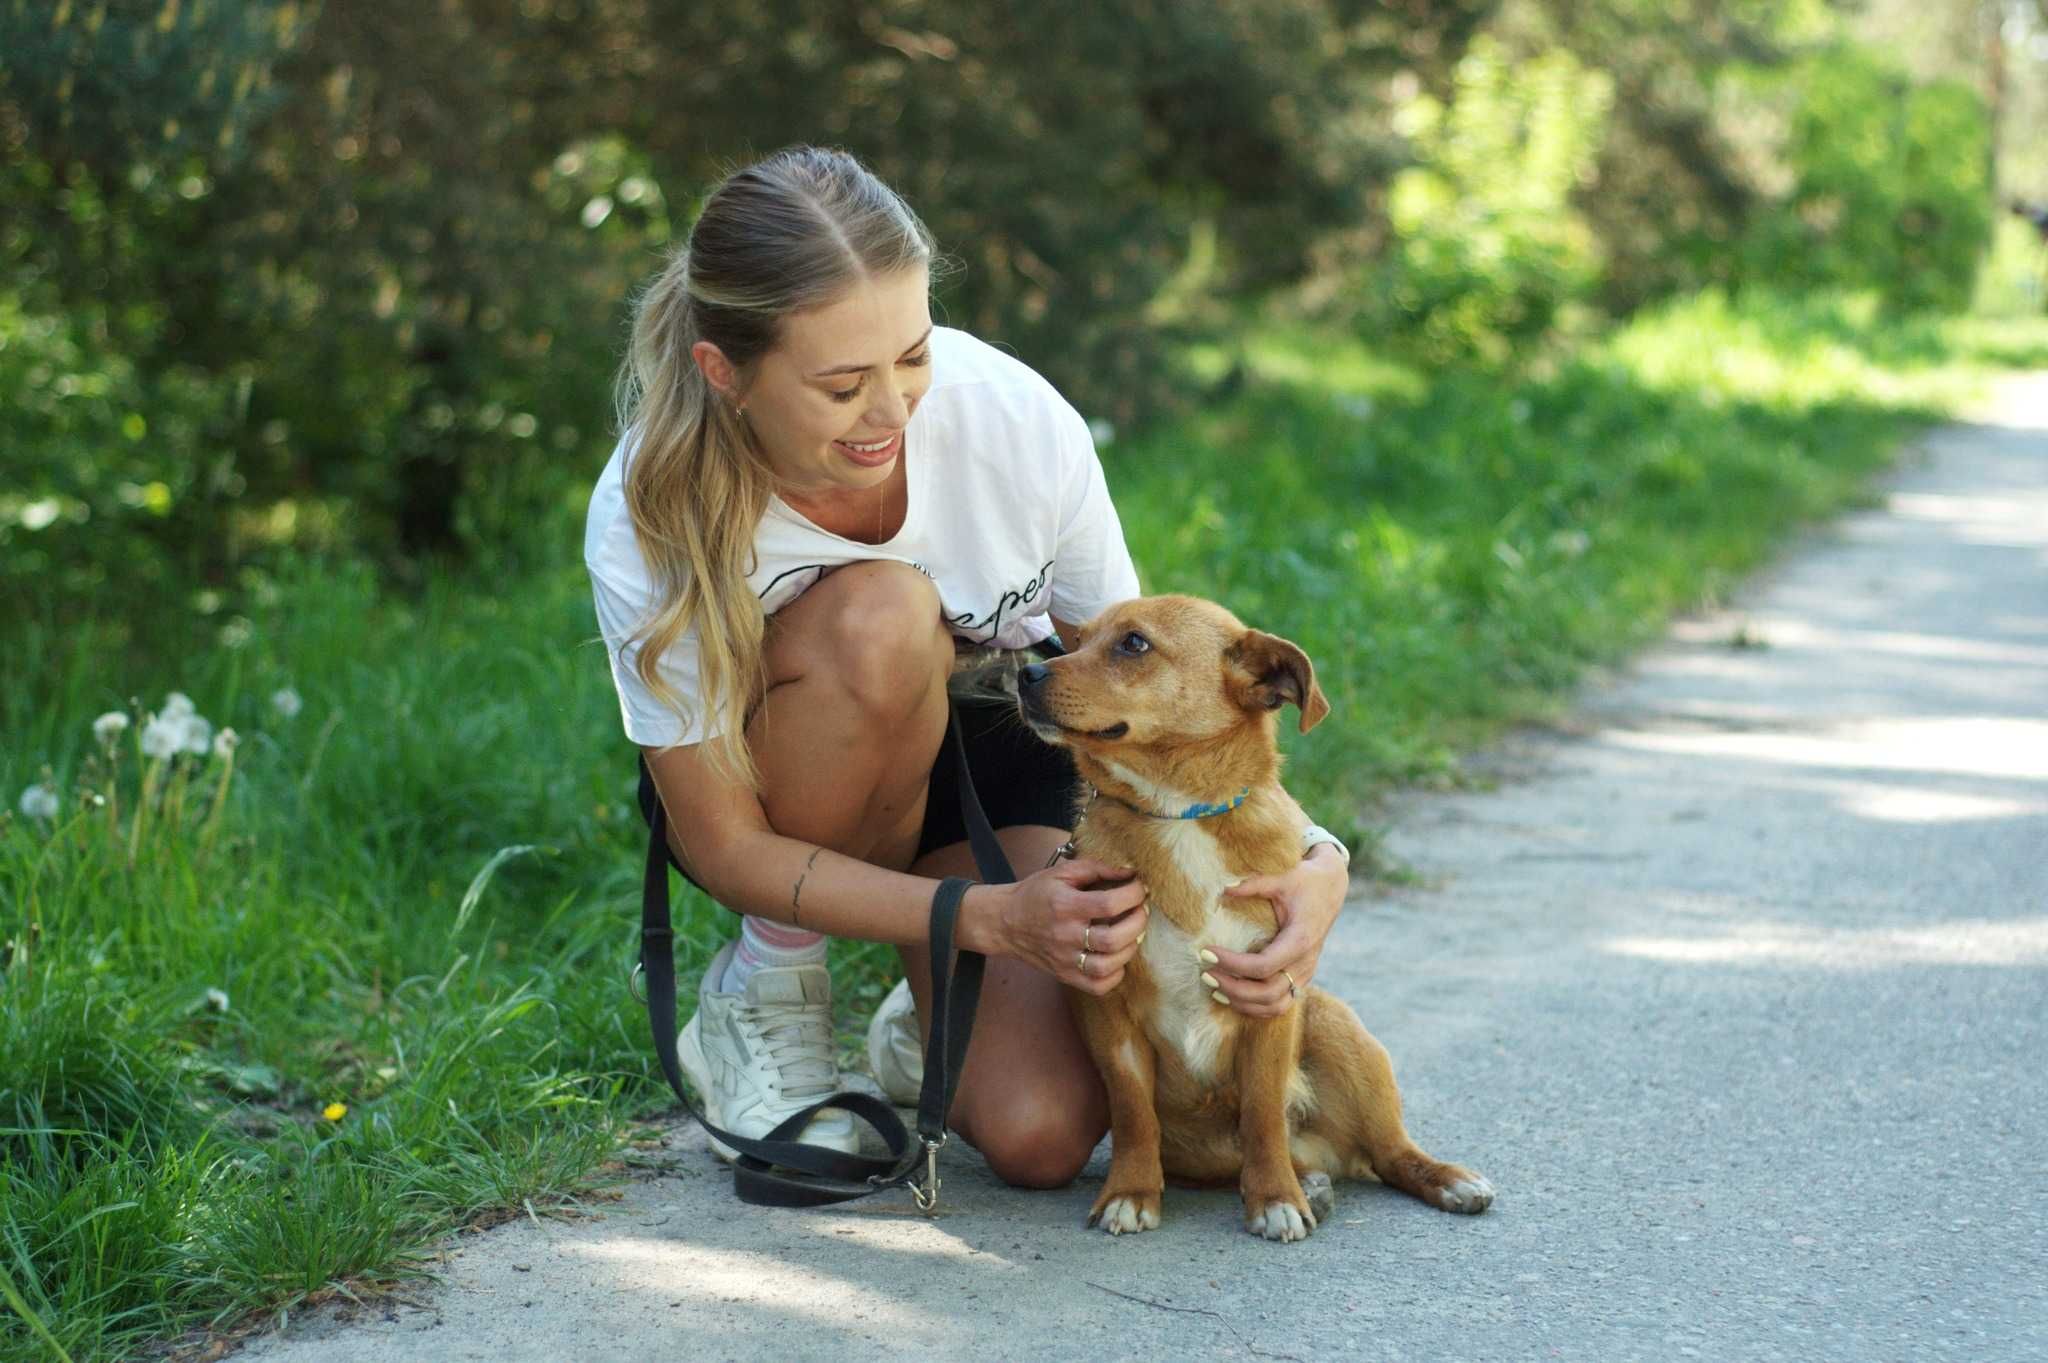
(1452, 550)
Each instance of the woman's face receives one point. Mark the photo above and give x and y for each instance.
(829, 404)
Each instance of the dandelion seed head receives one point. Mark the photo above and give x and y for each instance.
(177, 704)
(217, 1000)
(163, 736)
(286, 702)
(1101, 431)
(109, 727)
(198, 735)
(39, 802)
(224, 742)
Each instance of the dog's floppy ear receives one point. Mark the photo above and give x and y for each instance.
(1281, 674)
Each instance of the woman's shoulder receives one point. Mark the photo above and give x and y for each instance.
(976, 382)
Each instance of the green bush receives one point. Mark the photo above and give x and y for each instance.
(1888, 183)
(103, 464)
(1486, 249)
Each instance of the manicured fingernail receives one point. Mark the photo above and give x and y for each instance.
(1207, 956)
(1219, 996)
(1211, 980)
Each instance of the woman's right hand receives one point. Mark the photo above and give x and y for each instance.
(1045, 918)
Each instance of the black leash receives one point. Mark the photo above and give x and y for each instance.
(777, 1170)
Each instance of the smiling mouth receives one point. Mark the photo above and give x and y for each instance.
(872, 447)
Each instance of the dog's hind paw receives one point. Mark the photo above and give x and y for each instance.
(1282, 1221)
(1127, 1215)
(1321, 1194)
(1469, 1194)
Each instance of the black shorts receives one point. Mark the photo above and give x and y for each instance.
(1018, 776)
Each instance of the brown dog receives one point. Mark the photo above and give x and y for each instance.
(1168, 706)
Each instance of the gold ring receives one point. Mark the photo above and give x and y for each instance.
(1293, 989)
(1087, 945)
(1082, 965)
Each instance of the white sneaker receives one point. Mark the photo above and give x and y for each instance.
(895, 1049)
(758, 1055)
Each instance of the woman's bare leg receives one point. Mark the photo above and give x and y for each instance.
(854, 712)
(1030, 1098)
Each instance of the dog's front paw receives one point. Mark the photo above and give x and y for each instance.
(1126, 1213)
(1467, 1193)
(1283, 1221)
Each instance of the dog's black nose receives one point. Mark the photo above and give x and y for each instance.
(1033, 674)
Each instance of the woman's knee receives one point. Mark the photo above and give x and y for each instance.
(1039, 1140)
(874, 627)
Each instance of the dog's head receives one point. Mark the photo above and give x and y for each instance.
(1152, 678)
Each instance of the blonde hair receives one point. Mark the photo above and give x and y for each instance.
(791, 232)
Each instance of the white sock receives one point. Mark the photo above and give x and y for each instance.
(765, 942)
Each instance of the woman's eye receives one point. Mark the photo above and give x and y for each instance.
(919, 359)
(1133, 643)
(847, 394)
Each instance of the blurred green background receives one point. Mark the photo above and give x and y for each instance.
(1461, 342)
(286, 275)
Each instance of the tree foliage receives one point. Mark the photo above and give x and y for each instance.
(1889, 188)
(359, 270)
(1486, 245)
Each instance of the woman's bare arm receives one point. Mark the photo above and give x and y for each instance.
(719, 830)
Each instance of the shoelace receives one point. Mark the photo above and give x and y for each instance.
(796, 1040)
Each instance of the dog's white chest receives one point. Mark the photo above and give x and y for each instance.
(1187, 1021)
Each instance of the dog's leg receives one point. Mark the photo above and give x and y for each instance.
(1123, 1053)
(1358, 1110)
(1274, 1204)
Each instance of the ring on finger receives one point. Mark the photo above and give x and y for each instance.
(1082, 964)
(1087, 945)
(1293, 989)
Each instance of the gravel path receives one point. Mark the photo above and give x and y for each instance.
(1738, 992)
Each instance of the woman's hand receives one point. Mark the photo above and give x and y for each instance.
(1307, 901)
(1052, 916)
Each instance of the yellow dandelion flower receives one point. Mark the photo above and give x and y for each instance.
(334, 1112)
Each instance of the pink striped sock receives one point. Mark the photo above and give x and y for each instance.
(765, 942)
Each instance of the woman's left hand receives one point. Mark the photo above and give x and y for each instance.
(1307, 901)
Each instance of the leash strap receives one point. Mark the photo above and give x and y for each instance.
(777, 1170)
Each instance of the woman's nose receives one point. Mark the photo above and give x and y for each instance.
(892, 407)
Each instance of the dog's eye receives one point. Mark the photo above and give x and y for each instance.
(1133, 643)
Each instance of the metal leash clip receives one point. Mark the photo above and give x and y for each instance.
(927, 1194)
(636, 980)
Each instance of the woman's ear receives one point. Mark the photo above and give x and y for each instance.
(1281, 675)
(717, 370)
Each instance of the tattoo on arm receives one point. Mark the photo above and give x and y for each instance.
(796, 894)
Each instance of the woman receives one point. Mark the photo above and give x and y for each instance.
(819, 499)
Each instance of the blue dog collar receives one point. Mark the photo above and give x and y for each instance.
(1199, 810)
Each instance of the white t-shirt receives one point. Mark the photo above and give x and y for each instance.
(1009, 517)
